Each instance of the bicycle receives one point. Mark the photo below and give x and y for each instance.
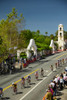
(14, 86)
(36, 75)
(56, 65)
(1, 93)
(51, 67)
(63, 61)
(22, 82)
(42, 72)
(28, 80)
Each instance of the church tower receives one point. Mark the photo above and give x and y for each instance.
(60, 37)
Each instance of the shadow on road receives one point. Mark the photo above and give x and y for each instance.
(58, 98)
(6, 98)
(32, 83)
(59, 93)
(27, 86)
(19, 92)
(40, 79)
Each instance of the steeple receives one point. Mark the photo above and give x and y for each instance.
(60, 37)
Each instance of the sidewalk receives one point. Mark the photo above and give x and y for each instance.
(62, 95)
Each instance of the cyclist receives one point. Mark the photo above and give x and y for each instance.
(14, 86)
(63, 61)
(22, 82)
(66, 60)
(42, 72)
(1, 92)
(56, 65)
(28, 80)
(60, 62)
(36, 75)
(51, 67)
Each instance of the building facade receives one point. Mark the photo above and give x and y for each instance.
(61, 42)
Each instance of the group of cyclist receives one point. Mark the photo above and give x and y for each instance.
(26, 80)
(59, 63)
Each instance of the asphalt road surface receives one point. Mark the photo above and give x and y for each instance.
(37, 89)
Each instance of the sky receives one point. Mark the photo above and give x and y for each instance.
(43, 15)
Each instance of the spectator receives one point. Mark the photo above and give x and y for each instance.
(52, 84)
(56, 79)
(48, 95)
(61, 75)
(61, 83)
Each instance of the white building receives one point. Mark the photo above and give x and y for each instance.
(60, 42)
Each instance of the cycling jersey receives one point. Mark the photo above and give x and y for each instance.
(14, 85)
(1, 90)
(36, 73)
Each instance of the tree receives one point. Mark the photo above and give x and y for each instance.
(9, 33)
(38, 31)
(27, 34)
(0, 40)
(46, 33)
(47, 40)
(52, 36)
(65, 34)
(14, 22)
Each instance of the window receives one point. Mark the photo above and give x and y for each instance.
(60, 34)
(60, 28)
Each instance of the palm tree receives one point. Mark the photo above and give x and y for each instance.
(38, 31)
(46, 33)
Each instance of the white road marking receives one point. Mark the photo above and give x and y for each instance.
(46, 70)
(49, 73)
(34, 87)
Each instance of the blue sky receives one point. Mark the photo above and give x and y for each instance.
(43, 15)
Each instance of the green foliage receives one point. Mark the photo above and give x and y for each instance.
(1, 40)
(27, 34)
(56, 45)
(38, 32)
(41, 41)
(42, 46)
(9, 34)
(47, 40)
(51, 36)
(23, 55)
(39, 38)
(65, 34)
(39, 49)
(46, 33)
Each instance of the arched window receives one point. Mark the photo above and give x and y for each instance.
(60, 28)
(60, 34)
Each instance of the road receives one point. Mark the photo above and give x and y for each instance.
(37, 89)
